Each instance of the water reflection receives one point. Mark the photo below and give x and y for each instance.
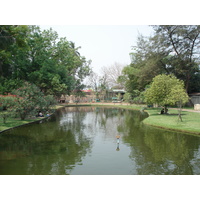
(46, 148)
(94, 140)
(158, 151)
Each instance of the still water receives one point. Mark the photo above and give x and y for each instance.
(82, 141)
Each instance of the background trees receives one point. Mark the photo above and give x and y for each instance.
(171, 50)
(55, 65)
(37, 66)
(39, 57)
(111, 74)
(11, 38)
(182, 43)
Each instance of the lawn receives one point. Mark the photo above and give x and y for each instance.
(190, 123)
(13, 122)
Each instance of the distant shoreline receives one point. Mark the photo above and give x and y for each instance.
(190, 124)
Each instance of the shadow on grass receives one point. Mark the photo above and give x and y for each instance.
(173, 114)
(156, 112)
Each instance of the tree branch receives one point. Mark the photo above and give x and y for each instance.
(193, 43)
(172, 41)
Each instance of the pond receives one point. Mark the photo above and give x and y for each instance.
(82, 141)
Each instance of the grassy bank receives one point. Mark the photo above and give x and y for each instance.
(190, 123)
(15, 122)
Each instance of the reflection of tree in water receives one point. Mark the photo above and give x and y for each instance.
(45, 148)
(55, 147)
(113, 120)
(157, 151)
(132, 121)
(108, 119)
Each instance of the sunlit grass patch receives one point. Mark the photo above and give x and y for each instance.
(14, 122)
(191, 121)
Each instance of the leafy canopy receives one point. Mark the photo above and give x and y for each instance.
(171, 49)
(39, 57)
(166, 90)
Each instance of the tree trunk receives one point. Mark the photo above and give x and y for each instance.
(4, 118)
(23, 116)
(179, 111)
(1, 69)
(187, 82)
(165, 110)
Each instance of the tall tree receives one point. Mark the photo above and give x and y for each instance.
(111, 74)
(182, 43)
(42, 58)
(171, 50)
(11, 39)
(147, 61)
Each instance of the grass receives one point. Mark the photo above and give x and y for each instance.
(190, 123)
(132, 107)
(14, 122)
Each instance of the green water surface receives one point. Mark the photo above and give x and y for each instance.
(82, 141)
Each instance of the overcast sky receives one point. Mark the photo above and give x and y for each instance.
(104, 45)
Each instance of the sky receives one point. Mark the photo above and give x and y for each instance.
(104, 45)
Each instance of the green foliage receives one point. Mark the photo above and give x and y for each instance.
(10, 38)
(8, 85)
(6, 102)
(139, 99)
(166, 90)
(129, 78)
(171, 50)
(127, 97)
(46, 104)
(4, 115)
(40, 57)
(28, 100)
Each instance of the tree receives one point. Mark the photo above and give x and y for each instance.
(6, 101)
(147, 61)
(11, 39)
(28, 100)
(166, 90)
(112, 73)
(47, 104)
(10, 36)
(127, 97)
(182, 43)
(72, 67)
(40, 57)
(94, 82)
(128, 78)
(99, 85)
(171, 50)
